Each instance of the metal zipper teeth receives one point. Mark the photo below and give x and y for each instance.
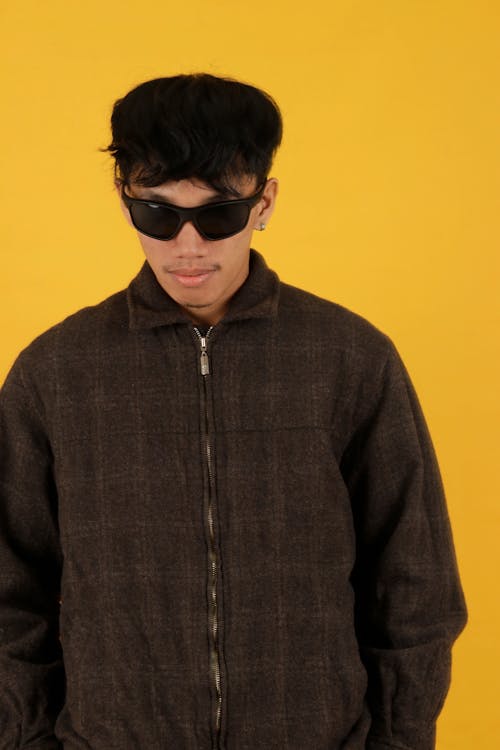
(212, 617)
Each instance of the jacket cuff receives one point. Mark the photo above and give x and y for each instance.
(381, 744)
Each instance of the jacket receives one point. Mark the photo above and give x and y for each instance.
(223, 540)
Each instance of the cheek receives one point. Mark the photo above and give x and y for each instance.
(154, 250)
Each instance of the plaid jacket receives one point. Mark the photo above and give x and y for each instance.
(228, 540)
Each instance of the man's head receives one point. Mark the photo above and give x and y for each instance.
(192, 140)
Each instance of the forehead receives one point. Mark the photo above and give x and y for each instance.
(191, 192)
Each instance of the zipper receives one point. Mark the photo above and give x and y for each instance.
(213, 624)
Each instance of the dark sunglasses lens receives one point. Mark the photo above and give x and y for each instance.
(156, 221)
(217, 222)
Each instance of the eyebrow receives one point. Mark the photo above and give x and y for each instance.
(219, 196)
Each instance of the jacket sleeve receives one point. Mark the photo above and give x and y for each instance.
(31, 670)
(409, 602)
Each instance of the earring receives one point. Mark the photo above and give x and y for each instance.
(262, 227)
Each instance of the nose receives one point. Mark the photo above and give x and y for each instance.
(189, 242)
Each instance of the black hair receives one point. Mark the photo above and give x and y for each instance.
(194, 126)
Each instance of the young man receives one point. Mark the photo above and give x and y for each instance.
(222, 525)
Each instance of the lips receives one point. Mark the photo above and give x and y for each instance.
(191, 276)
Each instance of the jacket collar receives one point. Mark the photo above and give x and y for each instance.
(150, 306)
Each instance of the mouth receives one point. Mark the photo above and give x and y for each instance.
(191, 277)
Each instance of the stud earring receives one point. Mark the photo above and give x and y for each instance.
(262, 227)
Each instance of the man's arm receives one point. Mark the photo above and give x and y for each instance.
(409, 603)
(31, 669)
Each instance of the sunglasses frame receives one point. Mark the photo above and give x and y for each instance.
(191, 214)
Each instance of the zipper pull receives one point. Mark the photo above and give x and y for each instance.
(204, 366)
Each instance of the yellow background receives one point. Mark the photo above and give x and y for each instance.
(389, 205)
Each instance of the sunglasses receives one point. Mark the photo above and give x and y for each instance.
(214, 221)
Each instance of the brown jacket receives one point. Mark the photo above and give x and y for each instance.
(256, 557)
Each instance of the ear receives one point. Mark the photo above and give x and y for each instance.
(125, 211)
(265, 206)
